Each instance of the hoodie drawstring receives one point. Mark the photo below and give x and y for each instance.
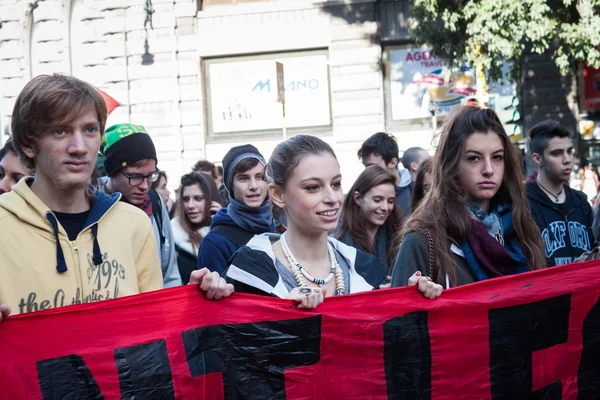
(97, 259)
(61, 264)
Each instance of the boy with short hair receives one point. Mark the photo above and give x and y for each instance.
(562, 214)
(249, 211)
(62, 243)
(382, 149)
(131, 165)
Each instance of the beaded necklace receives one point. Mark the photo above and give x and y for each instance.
(556, 196)
(301, 275)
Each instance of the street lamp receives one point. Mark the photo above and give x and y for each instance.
(147, 58)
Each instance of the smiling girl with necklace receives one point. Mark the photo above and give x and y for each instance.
(304, 264)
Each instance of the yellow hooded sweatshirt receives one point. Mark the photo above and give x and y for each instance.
(40, 268)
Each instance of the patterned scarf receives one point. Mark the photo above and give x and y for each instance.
(147, 206)
(486, 257)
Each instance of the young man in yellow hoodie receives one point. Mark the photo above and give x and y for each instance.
(62, 243)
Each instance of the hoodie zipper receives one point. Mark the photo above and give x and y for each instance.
(76, 246)
(77, 266)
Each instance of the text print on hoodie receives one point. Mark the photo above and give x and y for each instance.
(113, 256)
(566, 228)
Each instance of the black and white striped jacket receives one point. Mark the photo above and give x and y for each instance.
(253, 270)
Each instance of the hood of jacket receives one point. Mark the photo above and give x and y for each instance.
(405, 178)
(222, 218)
(25, 205)
(182, 238)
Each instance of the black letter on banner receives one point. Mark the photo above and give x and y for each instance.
(588, 377)
(407, 357)
(67, 378)
(145, 371)
(515, 333)
(253, 357)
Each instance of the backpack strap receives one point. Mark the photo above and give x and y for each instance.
(157, 213)
(238, 236)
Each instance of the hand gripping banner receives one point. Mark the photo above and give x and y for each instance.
(532, 336)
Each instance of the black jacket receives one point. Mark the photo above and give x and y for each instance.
(566, 228)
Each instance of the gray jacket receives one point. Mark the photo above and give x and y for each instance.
(167, 252)
(404, 193)
(413, 256)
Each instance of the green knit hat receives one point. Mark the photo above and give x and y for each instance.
(125, 144)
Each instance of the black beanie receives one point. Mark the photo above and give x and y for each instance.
(126, 144)
(233, 158)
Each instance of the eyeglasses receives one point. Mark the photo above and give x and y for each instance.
(138, 179)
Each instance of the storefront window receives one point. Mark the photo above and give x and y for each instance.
(418, 88)
(242, 93)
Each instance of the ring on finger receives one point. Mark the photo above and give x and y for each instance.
(305, 290)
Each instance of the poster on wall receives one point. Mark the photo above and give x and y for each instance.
(243, 94)
(419, 86)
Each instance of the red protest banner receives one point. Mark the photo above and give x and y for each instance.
(535, 335)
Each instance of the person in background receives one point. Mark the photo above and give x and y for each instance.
(596, 221)
(382, 149)
(160, 187)
(208, 168)
(422, 184)
(370, 219)
(475, 223)
(12, 170)
(562, 214)
(130, 163)
(249, 211)
(192, 222)
(412, 160)
(589, 182)
(219, 180)
(222, 189)
(532, 177)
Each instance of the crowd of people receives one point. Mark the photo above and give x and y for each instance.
(87, 215)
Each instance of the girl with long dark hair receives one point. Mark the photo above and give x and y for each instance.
(422, 184)
(474, 223)
(192, 222)
(370, 220)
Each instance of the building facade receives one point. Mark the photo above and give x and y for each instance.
(202, 76)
